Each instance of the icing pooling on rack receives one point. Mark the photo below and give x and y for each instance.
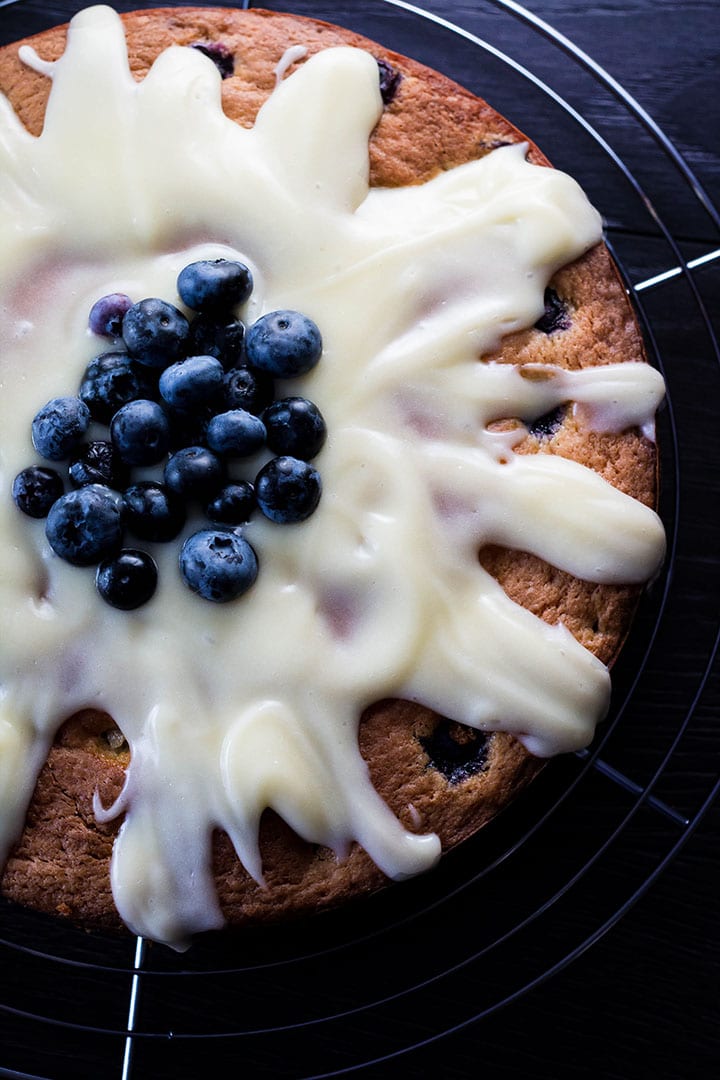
(230, 709)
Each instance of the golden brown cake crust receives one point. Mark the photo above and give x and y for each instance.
(61, 862)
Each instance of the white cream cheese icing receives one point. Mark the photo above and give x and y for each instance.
(234, 708)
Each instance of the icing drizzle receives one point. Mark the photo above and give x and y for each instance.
(251, 705)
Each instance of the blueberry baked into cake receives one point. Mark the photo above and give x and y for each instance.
(327, 468)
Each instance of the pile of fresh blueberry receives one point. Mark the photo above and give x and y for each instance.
(191, 397)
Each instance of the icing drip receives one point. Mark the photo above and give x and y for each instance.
(232, 709)
(288, 58)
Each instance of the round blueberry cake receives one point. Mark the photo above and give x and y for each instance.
(381, 554)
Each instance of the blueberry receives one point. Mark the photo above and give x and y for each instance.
(59, 427)
(85, 526)
(98, 463)
(295, 426)
(233, 504)
(247, 389)
(220, 55)
(285, 343)
(457, 751)
(127, 580)
(222, 338)
(106, 314)
(152, 512)
(214, 285)
(545, 426)
(155, 332)
(191, 382)
(140, 432)
(235, 433)
(556, 316)
(113, 379)
(287, 490)
(390, 79)
(35, 489)
(218, 565)
(194, 472)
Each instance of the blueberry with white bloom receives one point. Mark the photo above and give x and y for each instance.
(235, 433)
(113, 379)
(218, 565)
(59, 427)
(192, 382)
(140, 432)
(85, 525)
(194, 472)
(288, 490)
(155, 332)
(285, 343)
(214, 285)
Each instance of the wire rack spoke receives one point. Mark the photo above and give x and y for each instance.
(635, 788)
(133, 1005)
(675, 271)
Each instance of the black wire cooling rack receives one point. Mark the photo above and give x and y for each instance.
(353, 990)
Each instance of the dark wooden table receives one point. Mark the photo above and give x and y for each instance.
(595, 949)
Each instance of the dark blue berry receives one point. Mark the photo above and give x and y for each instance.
(233, 504)
(287, 490)
(152, 512)
(390, 79)
(127, 580)
(295, 426)
(190, 383)
(194, 472)
(59, 427)
(285, 343)
(155, 332)
(140, 432)
(457, 751)
(85, 526)
(218, 565)
(35, 489)
(220, 338)
(220, 55)
(556, 316)
(545, 426)
(106, 314)
(247, 389)
(235, 433)
(214, 285)
(98, 463)
(113, 379)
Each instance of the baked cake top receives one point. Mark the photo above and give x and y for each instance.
(232, 708)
